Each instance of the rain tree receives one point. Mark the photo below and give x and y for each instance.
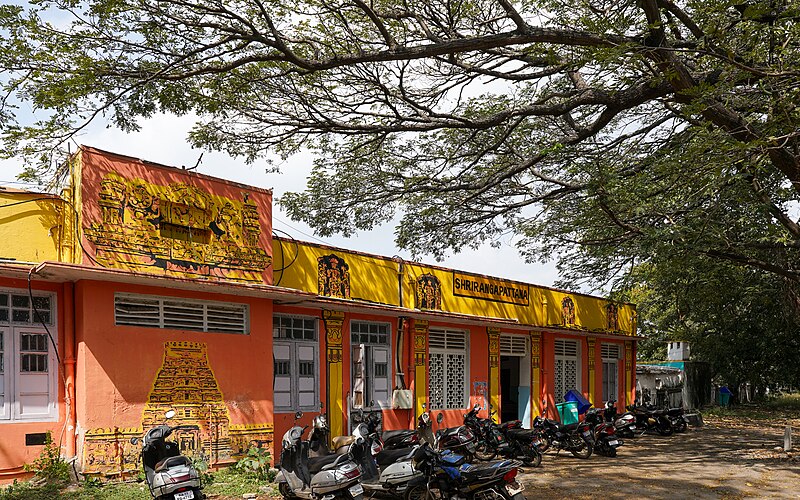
(605, 132)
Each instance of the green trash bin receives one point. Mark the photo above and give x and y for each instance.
(568, 412)
(724, 399)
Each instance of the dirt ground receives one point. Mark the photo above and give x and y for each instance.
(726, 458)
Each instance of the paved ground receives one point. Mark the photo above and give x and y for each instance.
(726, 458)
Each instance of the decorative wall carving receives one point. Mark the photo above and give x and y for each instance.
(333, 276)
(179, 228)
(567, 311)
(428, 292)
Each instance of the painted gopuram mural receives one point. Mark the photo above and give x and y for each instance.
(184, 383)
(178, 228)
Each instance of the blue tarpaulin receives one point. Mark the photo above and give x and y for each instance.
(583, 403)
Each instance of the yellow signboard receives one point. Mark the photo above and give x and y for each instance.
(484, 288)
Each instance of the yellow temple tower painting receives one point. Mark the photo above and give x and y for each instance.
(184, 383)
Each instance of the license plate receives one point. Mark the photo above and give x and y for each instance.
(514, 487)
(613, 442)
(356, 490)
(184, 495)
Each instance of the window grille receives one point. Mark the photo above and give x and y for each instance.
(448, 369)
(513, 345)
(294, 327)
(181, 314)
(18, 308)
(566, 368)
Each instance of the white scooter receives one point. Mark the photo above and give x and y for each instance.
(169, 475)
(321, 478)
(383, 471)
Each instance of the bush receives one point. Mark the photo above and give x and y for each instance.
(256, 464)
(50, 467)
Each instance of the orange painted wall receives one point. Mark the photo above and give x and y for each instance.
(117, 365)
(13, 452)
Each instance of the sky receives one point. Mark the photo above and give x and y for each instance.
(162, 139)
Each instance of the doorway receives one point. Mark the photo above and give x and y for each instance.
(509, 388)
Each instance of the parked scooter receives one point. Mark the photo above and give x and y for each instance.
(384, 471)
(509, 439)
(321, 478)
(605, 438)
(168, 474)
(447, 475)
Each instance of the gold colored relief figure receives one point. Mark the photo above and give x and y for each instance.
(179, 229)
(184, 383)
(567, 311)
(428, 292)
(333, 277)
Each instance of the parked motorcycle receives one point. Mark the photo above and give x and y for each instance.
(320, 478)
(459, 440)
(447, 475)
(509, 439)
(605, 438)
(577, 438)
(649, 418)
(168, 474)
(678, 419)
(624, 424)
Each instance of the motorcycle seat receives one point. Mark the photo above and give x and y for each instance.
(168, 462)
(342, 441)
(398, 434)
(511, 424)
(521, 434)
(481, 470)
(452, 431)
(318, 463)
(388, 457)
(570, 427)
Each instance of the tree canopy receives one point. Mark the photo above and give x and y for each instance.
(606, 132)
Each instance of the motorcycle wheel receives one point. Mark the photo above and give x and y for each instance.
(544, 444)
(285, 491)
(679, 425)
(531, 456)
(579, 448)
(484, 452)
(417, 492)
(664, 427)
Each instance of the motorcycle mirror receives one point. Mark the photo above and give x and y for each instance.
(298, 415)
(424, 406)
(170, 414)
(134, 440)
(439, 418)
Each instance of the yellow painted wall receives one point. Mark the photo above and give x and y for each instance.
(375, 279)
(30, 226)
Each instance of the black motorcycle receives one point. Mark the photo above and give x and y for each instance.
(459, 440)
(649, 417)
(678, 419)
(605, 438)
(508, 440)
(577, 438)
(446, 475)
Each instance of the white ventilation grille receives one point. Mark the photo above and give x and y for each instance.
(447, 339)
(179, 314)
(513, 345)
(567, 348)
(609, 351)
